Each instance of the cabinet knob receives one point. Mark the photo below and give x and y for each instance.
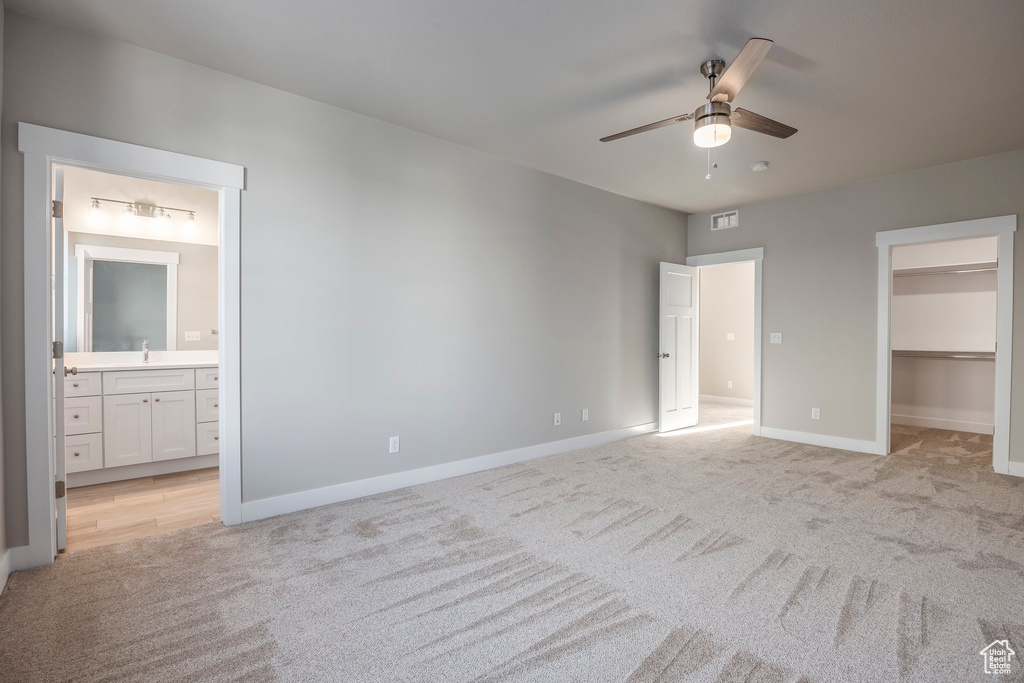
(77, 454)
(216, 438)
(75, 384)
(145, 400)
(156, 400)
(215, 378)
(76, 416)
(216, 405)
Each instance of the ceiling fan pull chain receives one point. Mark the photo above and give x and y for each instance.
(708, 176)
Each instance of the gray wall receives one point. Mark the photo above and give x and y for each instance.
(820, 284)
(197, 286)
(727, 306)
(3, 148)
(392, 283)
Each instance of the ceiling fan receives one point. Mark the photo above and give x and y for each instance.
(714, 120)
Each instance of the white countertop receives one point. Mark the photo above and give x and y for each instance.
(156, 365)
(158, 360)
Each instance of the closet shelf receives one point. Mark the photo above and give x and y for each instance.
(957, 355)
(946, 270)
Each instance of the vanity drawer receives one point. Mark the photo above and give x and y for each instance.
(146, 381)
(83, 452)
(83, 415)
(207, 405)
(208, 438)
(83, 384)
(207, 378)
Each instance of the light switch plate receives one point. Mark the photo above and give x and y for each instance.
(776, 337)
(730, 336)
(815, 413)
(585, 415)
(193, 336)
(558, 419)
(728, 385)
(393, 445)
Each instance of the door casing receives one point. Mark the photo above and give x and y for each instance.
(42, 149)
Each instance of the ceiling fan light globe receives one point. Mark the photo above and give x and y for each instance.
(712, 133)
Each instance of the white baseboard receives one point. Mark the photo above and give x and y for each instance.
(1016, 469)
(293, 502)
(934, 423)
(730, 400)
(5, 569)
(145, 469)
(824, 440)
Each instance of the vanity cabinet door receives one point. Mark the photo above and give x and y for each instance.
(127, 429)
(174, 425)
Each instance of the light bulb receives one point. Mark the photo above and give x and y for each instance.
(191, 228)
(129, 220)
(97, 218)
(163, 222)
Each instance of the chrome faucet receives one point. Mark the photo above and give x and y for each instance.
(145, 350)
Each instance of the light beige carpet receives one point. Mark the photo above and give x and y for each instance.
(707, 556)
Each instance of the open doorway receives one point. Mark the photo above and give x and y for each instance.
(943, 339)
(136, 410)
(721, 291)
(726, 344)
(945, 335)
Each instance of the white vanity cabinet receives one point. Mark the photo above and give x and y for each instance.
(121, 417)
(128, 429)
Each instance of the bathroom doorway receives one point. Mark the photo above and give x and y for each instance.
(135, 303)
(44, 150)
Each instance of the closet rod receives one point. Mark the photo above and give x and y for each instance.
(958, 355)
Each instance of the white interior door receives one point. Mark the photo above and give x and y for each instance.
(679, 354)
(60, 250)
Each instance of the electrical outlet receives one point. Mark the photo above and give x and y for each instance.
(586, 415)
(776, 338)
(728, 385)
(192, 336)
(558, 419)
(393, 445)
(730, 336)
(815, 413)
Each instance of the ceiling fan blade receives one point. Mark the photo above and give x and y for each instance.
(744, 118)
(730, 82)
(649, 126)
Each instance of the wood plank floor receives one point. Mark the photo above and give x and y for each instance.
(125, 510)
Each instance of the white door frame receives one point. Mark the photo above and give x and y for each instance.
(91, 252)
(1001, 226)
(42, 148)
(756, 256)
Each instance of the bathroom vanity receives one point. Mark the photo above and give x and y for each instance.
(128, 420)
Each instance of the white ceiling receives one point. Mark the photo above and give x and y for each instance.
(875, 86)
(81, 185)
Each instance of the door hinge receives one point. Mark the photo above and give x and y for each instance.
(58, 489)
(58, 350)
(58, 208)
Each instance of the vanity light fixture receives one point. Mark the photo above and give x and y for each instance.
(134, 210)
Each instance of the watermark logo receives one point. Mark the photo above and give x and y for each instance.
(997, 657)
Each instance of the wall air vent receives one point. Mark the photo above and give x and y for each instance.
(726, 219)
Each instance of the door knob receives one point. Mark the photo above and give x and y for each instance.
(70, 371)
(662, 355)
